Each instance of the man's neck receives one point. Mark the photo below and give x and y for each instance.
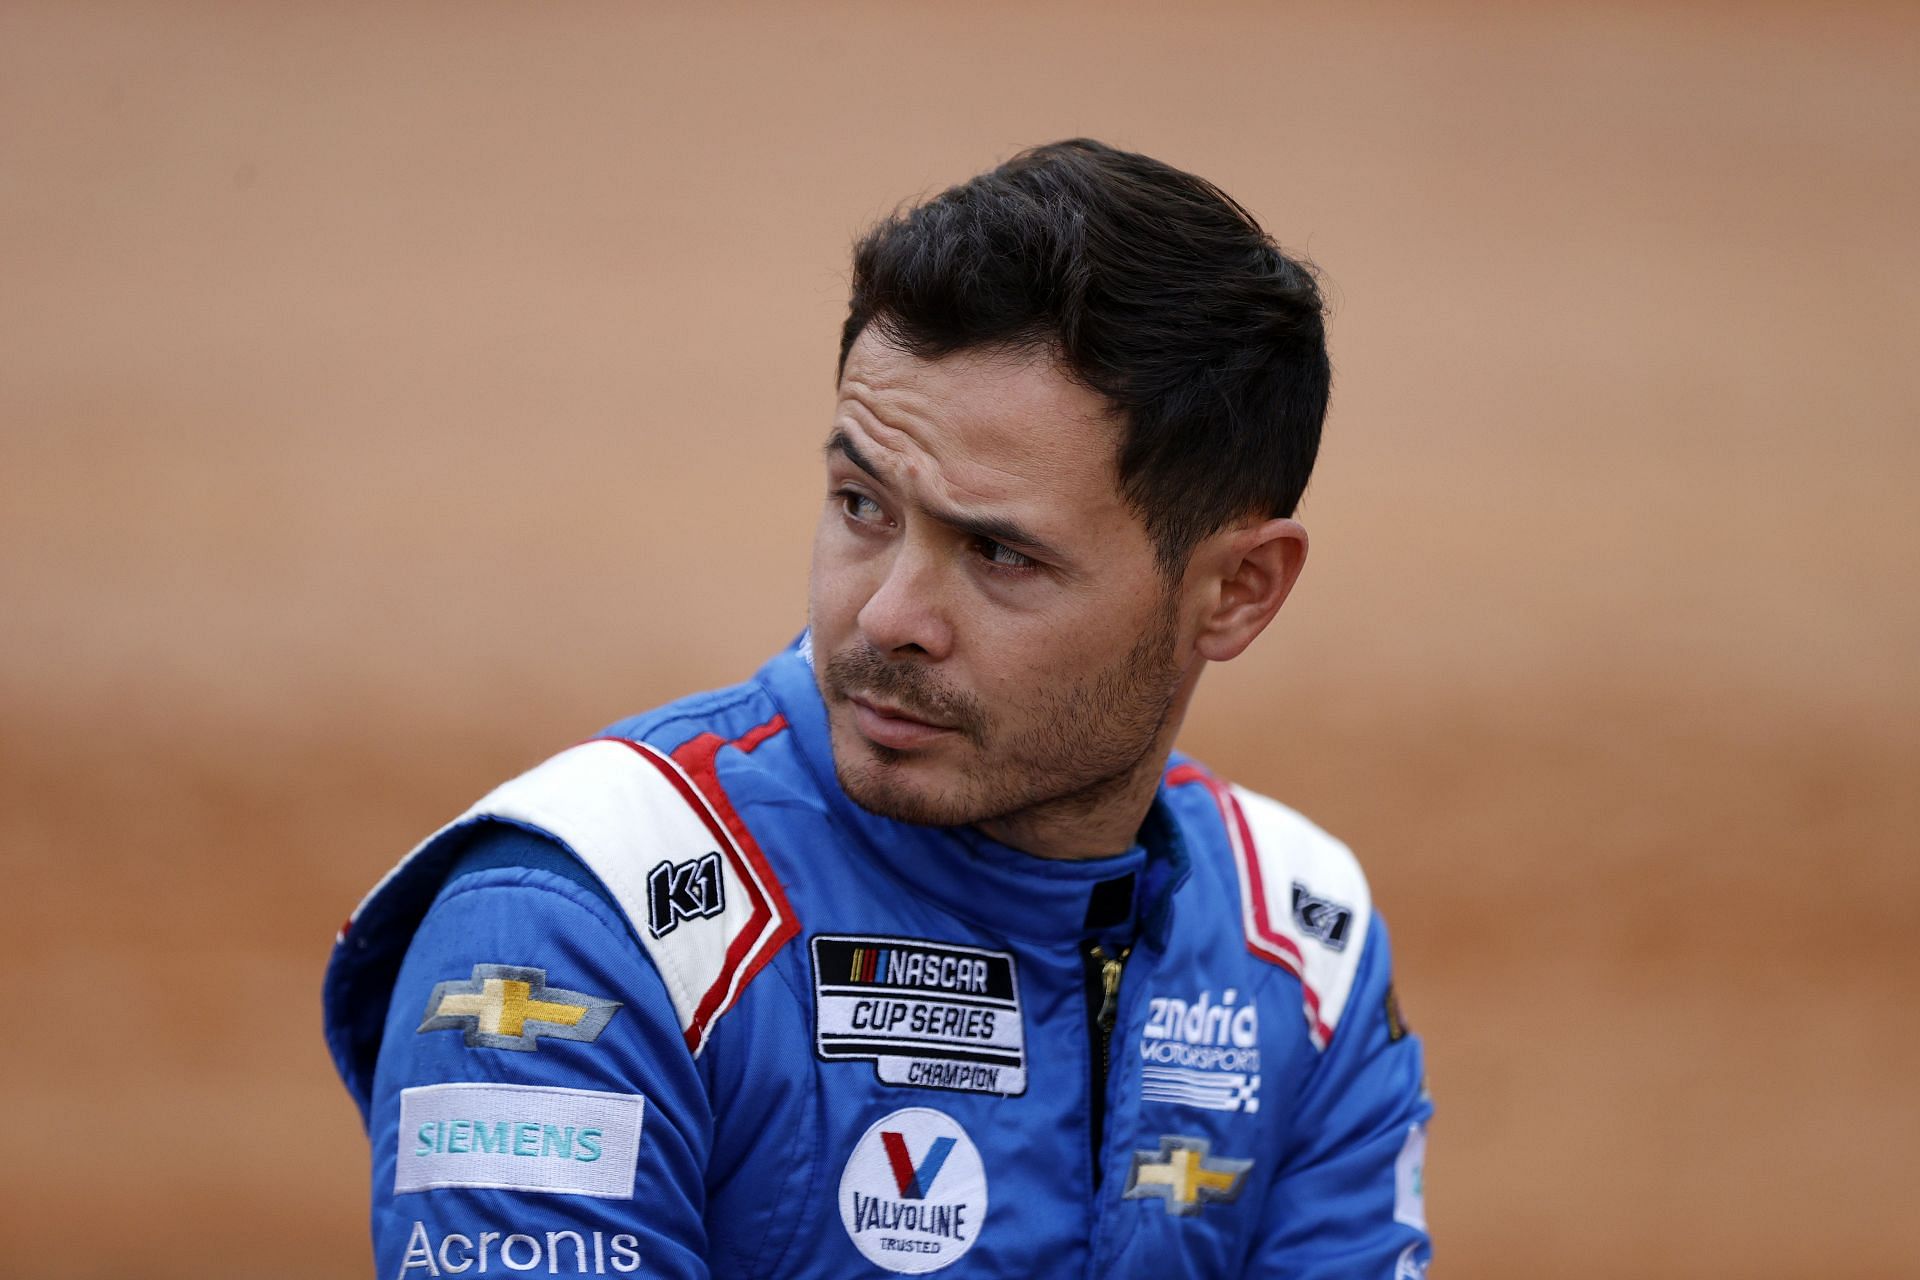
(1103, 819)
(1099, 822)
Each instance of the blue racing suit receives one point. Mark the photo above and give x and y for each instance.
(670, 1004)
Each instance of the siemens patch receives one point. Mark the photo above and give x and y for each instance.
(518, 1137)
(935, 1015)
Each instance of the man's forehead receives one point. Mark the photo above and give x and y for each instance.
(993, 420)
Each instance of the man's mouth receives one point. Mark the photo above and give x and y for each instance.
(896, 727)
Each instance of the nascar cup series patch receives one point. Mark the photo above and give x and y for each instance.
(935, 1015)
(913, 1196)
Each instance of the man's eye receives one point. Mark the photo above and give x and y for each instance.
(859, 506)
(1002, 556)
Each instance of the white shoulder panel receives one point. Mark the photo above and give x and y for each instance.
(1304, 901)
(707, 910)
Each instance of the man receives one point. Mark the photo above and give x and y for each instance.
(920, 950)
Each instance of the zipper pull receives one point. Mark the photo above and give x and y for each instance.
(1110, 968)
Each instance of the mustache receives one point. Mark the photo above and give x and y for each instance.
(862, 672)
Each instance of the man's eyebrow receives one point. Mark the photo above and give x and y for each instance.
(1009, 533)
(840, 442)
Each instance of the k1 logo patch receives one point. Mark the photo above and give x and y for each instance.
(913, 1196)
(936, 1015)
(510, 1006)
(691, 890)
(1321, 918)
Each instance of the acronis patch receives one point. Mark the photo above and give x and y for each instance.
(505, 1006)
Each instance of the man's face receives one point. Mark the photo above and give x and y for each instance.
(991, 633)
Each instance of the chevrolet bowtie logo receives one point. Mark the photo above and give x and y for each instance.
(505, 1006)
(1185, 1175)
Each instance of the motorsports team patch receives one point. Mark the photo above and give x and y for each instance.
(935, 1015)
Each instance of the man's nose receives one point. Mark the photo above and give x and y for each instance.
(907, 613)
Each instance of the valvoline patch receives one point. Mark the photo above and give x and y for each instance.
(913, 1196)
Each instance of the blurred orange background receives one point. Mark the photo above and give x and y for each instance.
(392, 395)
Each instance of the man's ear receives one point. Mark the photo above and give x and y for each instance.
(1249, 571)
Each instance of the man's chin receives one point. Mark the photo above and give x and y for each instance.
(882, 782)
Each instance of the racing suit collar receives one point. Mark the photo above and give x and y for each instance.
(972, 875)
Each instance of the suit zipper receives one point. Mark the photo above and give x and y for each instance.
(1103, 1009)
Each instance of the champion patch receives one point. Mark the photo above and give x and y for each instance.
(1185, 1175)
(508, 1006)
(913, 1196)
(933, 1015)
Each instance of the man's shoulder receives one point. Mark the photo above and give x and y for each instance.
(1305, 904)
(637, 818)
(727, 713)
(601, 803)
(641, 806)
(1266, 831)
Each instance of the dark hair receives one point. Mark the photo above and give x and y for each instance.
(1154, 288)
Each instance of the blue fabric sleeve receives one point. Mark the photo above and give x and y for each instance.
(1349, 1200)
(527, 1037)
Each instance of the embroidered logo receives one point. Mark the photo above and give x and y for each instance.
(517, 1137)
(506, 1006)
(1186, 1175)
(1396, 1023)
(1321, 918)
(914, 1179)
(911, 1216)
(935, 1015)
(679, 891)
(1410, 1179)
(1202, 1053)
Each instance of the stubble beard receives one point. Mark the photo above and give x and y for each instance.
(1083, 746)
